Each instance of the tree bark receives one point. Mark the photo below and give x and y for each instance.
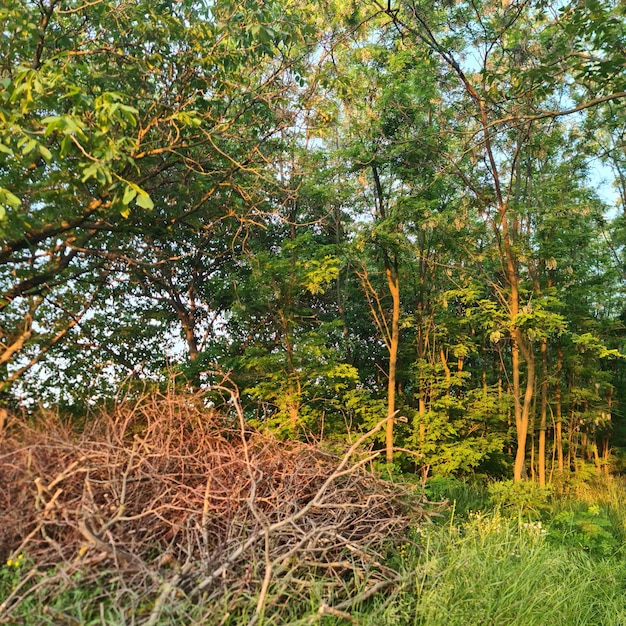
(394, 289)
(522, 406)
(543, 414)
(558, 415)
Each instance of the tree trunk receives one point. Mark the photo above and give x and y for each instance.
(4, 418)
(521, 405)
(393, 334)
(394, 289)
(572, 443)
(543, 417)
(558, 415)
(606, 439)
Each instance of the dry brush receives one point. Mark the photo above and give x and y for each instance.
(171, 508)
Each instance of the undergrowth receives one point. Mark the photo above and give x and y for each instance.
(324, 542)
(513, 555)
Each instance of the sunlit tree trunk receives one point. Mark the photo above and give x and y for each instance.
(558, 414)
(394, 289)
(606, 439)
(543, 410)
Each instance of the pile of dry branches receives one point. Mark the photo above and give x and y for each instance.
(172, 504)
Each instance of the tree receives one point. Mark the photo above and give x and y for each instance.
(355, 210)
(124, 130)
(503, 59)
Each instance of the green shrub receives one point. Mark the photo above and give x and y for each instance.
(522, 498)
(588, 529)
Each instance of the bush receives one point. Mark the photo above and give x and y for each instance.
(520, 498)
(587, 528)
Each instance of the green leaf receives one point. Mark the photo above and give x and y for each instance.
(45, 153)
(6, 197)
(144, 201)
(66, 145)
(30, 145)
(142, 198)
(129, 194)
(90, 171)
(51, 123)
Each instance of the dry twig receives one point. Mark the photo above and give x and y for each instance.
(177, 500)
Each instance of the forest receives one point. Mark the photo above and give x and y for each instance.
(391, 223)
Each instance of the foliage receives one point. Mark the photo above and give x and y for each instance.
(353, 208)
(520, 498)
(587, 529)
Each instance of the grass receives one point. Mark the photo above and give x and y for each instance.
(497, 558)
(529, 557)
(495, 570)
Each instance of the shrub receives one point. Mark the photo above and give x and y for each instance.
(520, 498)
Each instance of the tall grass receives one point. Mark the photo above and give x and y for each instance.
(502, 566)
(500, 571)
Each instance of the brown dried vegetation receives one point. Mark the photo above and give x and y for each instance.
(169, 504)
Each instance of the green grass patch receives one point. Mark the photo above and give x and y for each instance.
(496, 570)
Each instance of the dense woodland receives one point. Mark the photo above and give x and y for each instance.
(352, 209)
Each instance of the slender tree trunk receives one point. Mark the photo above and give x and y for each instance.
(509, 424)
(605, 455)
(421, 404)
(4, 418)
(522, 405)
(393, 338)
(448, 373)
(596, 456)
(572, 443)
(533, 457)
(532, 429)
(606, 439)
(446, 369)
(558, 427)
(484, 372)
(585, 453)
(543, 410)
(394, 289)
(188, 322)
(337, 229)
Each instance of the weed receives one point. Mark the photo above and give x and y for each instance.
(587, 528)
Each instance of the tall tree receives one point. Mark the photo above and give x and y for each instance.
(128, 132)
(503, 58)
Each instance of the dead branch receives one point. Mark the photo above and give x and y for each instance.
(175, 502)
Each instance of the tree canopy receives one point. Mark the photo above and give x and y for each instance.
(355, 209)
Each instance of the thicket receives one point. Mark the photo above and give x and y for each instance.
(164, 511)
(394, 223)
(356, 209)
